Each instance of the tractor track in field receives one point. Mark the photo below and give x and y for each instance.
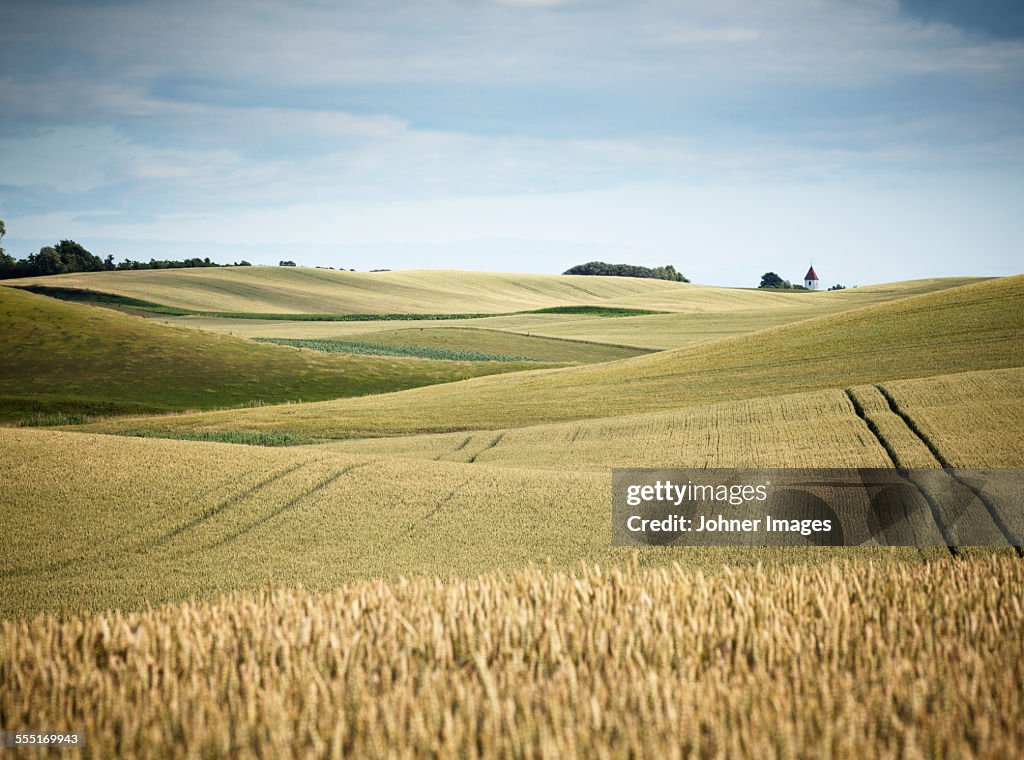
(894, 407)
(223, 505)
(409, 529)
(439, 506)
(163, 539)
(894, 458)
(285, 507)
(486, 448)
(457, 449)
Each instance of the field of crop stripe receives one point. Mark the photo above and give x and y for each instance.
(557, 339)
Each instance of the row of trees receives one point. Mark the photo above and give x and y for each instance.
(68, 256)
(627, 270)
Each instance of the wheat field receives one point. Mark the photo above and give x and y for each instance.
(206, 517)
(386, 591)
(817, 429)
(298, 290)
(134, 521)
(972, 327)
(841, 660)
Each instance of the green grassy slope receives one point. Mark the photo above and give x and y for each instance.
(979, 326)
(63, 357)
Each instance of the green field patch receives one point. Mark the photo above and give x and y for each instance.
(45, 411)
(394, 349)
(490, 342)
(54, 419)
(246, 437)
(594, 311)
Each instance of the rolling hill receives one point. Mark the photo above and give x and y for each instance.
(66, 358)
(926, 380)
(206, 517)
(299, 290)
(974, 419)
(717, 314)
(977, 326)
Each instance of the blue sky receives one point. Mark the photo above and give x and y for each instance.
(883, 140)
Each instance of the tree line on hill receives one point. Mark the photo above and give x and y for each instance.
(67, 256)
(627, 270)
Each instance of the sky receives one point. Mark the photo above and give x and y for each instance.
(881, 140)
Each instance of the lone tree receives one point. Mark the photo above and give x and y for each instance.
(771, 280)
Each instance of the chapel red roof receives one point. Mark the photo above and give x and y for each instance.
(811, 274)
